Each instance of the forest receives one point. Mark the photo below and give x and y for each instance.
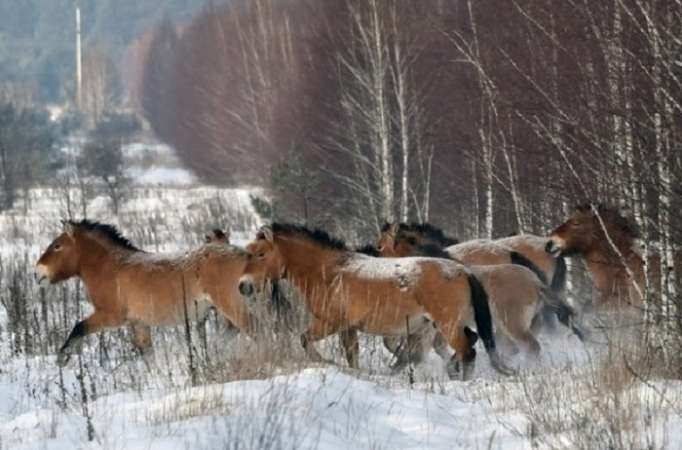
(37, 37)
(490, 118)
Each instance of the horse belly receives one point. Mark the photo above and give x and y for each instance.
(166, 309)
(395, 321)
(408, 325)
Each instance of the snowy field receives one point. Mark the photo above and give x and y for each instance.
(576, 396)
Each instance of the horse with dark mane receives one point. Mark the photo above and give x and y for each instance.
(524, 250)
(346, 292)
(617, 273)
(427, 231)
(517, 295)
(129, 286)
(279, 305)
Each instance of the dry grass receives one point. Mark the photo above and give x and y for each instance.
(608, 404)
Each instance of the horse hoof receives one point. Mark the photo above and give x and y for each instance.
(63, 358)
(397, 368)
(468, 371)
(452, 368)
(499, 365)
(505, 370)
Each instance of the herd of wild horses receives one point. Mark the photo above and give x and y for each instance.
(416, 287)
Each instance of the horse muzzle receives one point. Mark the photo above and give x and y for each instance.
(41, 275)
(246, 288)
(554, 246)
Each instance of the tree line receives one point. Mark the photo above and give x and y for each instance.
(489, 118)
(37, 37)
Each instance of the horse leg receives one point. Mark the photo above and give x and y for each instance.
(351, 346)
(244, 322)
(394, 343)
(462, 340)
(506, 342)
(440, 346)
(518, 328)
(99, 320)
(548, 319)
(397, 345)
(411, 351)
(316, 331)
(529, 343)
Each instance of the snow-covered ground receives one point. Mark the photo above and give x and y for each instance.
(576, 396)
(329, 408)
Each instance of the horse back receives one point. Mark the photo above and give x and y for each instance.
(533, 248)
(480, 252)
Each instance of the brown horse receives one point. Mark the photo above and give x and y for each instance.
(618, 279)
(526, 250)
(532, 248)
(346, 292)
(516, 293)
(279, 305)
(129, 286)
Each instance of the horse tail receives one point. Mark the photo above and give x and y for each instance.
(559, 279)
(484, 325)
(564, 312)
(482, 315)
(520, 260)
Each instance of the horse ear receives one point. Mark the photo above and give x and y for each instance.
(390, 234)
(267, 233)
(219, 234)
(68, 227)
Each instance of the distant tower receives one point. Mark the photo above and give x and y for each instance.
(79, 73)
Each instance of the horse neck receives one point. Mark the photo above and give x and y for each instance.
(603, 252)
(308, 265)
(605, 263)
(98, 265)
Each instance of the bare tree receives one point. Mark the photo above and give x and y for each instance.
(101, 85)
(102, 156)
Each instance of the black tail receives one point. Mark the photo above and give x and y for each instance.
(482, 314)
(520, 260)
(559, 278)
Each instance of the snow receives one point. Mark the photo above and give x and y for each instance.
(319, 407)
(161, 175)
(407, 270)
(464, 249)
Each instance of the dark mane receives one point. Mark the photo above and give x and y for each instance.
(613, 217)
(316, 235)
(106, 231)
(429, 231)
(218, 233)
(368, 249)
